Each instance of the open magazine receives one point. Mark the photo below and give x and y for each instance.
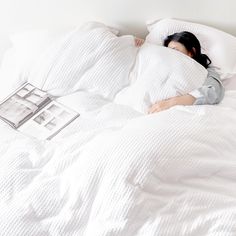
(34, 112)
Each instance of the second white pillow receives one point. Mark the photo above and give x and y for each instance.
(160, 73)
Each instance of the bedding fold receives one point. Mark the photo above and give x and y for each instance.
(131, 175)
(116, 171)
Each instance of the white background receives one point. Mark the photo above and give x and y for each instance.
(128, 15)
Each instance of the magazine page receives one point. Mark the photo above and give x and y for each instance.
(23, 104)
(49, 121)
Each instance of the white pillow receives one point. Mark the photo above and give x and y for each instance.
(160, 73)
(89, 59)
(30, 44)
(218, 45)
(9, 74)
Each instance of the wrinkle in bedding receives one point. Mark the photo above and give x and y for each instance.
(116, 171)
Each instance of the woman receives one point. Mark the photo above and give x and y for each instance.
(212, 91)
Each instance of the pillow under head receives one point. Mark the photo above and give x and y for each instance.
(218, 45)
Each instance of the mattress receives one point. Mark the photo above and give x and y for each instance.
(117, 170)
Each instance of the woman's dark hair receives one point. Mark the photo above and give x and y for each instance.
(192, 45)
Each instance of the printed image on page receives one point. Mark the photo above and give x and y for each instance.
(22, 105)
(49, 121)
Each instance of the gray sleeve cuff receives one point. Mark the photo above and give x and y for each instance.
(212, 91)
(205, 95)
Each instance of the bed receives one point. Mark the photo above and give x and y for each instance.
(117, 170)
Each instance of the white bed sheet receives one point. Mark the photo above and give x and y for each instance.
(118, 172)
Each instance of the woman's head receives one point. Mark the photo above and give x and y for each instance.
(188, 44)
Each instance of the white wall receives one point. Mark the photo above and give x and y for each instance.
(128, 15)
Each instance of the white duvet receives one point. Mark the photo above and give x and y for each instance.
(116, 171)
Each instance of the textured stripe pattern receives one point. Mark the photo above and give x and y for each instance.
(160, 73)
(218, 45)
(117, 172)
(95, 60)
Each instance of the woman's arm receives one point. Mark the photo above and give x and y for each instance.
(186, 100)
(212, 92)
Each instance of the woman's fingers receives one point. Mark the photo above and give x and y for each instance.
(161, 106)
(154, 108)
(138, 42)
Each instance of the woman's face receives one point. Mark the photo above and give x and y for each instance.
(179, 47)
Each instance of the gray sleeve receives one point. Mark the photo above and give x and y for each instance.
(212, 91)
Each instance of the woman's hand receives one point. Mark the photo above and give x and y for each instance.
(138, 42)
(168, 103)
